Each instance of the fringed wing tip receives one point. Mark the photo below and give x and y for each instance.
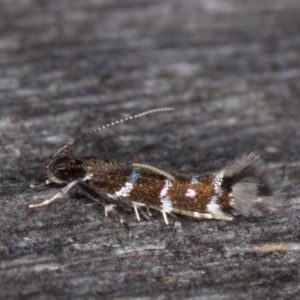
(251, 193)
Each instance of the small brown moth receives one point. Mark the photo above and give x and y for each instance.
(238, 189)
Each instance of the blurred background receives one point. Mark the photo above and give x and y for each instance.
(231, 71)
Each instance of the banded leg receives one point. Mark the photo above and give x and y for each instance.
(139, 207)
(57, 196)
(102, 199)
(111, 208)
(135, 207)
(165, 217)
(106, 202)
(145, 214)
(164, 212)
(35, 186)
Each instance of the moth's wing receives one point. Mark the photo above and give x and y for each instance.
(117, 170)
(154, 170)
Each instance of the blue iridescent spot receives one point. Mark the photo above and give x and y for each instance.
(194, 179)
(134, 176)
(217, 192)
(127, 188)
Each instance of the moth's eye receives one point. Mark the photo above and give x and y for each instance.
(69, 174)
(64, 175)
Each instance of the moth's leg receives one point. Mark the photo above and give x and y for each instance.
(57, 196)
(92, 194)
(165, 217)
(145, 214)
(140, 208)
(111, 208)
(135, 207)
(172, 214)
(101, 197)
(148, 211)
(145, 211)
(163, 212)
(105, 201)
(35, 186)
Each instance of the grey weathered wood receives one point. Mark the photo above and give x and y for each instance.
(231, 71)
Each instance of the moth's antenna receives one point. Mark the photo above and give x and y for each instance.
(67, 149)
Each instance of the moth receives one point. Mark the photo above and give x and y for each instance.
(238, 189)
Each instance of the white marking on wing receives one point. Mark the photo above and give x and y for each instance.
(194, 179)
(164, 199)
(212, 206)
(219, 176)
(216, 212)
(166, 187)
(127, 188)
(190, 193)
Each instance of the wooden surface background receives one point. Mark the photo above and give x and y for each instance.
(231, 71)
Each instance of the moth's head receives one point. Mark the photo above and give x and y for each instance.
(53, 167)
(60, 168)
(58, 153)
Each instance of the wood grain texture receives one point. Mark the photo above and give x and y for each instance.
(231, 71)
